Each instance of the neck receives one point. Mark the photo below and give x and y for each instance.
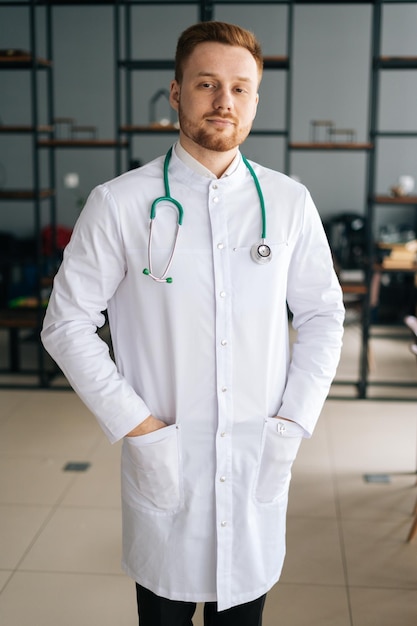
(216, 162)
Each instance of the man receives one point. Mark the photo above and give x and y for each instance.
(204, 391)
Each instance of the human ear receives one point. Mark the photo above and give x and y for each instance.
(174, 95)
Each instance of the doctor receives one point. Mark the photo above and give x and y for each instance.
(209, 400)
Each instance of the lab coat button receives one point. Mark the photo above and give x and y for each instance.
(223, 342)
(215, 199)
(222, 479)
(224, 389)
(223, 434)
(223, 524)
(222, 294)
(214, 186)
(220, 246)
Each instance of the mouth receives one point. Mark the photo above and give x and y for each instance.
(221, 122)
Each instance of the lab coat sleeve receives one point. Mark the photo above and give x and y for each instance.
(315, 299)
(92, 268)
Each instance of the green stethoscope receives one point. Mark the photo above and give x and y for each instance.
(260, 251)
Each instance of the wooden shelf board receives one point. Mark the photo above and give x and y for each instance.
(401, 200)
(355, 288)
(148, 64)
(24, 129)
(81, 143)
(22, 61)
(389, 62)
(24, 194)
(276, 62)
(330, 146)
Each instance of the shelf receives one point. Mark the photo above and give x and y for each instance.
(276, 63)
(396, 63)
(395, 134)
(20, 194)
(331, 146)
(22, 60)
(151, 64)
(24, 129)
(400, 200)
(81, 143)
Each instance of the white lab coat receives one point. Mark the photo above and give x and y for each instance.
(204, 499)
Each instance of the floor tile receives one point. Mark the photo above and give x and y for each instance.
(100, 484)
(378, 501)
(4, 578)
(78, 540)
(377, 554)
(68, 600)
(53, 423)
(312, 495)
(19, 525)
(32, 480)
(306, 605)
(313, 552)
(10, 402)
(381, 440)
(383, 607)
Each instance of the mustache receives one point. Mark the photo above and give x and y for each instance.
(220, 116)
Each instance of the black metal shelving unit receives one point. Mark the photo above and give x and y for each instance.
(28, 317)
(375, 201)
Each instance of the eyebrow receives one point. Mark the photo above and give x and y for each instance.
(245, 79)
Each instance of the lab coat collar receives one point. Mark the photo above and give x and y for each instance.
(187, 175)
(198, 167)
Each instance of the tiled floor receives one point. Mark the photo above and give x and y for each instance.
(348, 562)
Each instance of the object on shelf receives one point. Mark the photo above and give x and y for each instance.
(80, 132)
(72, 181)
(346, 134)
(396, 233)
(346, 233)
(161, 122)
(20, 57)
(54, 239)
(404, 186)
(67, 129)
(63, 127)
(27, 302)
(400, 256)
(13, 53)
(330, 132)
(315, 126)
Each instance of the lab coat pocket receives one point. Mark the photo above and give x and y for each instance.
(280, 442)
(151, 470)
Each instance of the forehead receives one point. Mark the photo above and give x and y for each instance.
(212, 58)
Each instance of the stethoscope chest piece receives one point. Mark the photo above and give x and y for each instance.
(261, 253)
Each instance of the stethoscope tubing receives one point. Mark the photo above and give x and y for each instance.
(260, 252)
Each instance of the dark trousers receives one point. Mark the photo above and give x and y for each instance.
(156, 611)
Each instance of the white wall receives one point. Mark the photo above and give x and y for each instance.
(331, 69)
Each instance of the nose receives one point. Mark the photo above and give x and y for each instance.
(223, 99)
